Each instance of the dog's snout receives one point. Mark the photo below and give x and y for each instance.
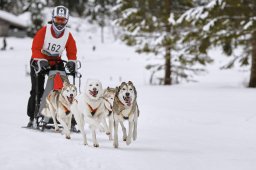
(127, 94)
(71, 95)
(94, 89)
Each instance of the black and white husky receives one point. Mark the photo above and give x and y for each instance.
(89, 107)
(57, 107)
(125, 107)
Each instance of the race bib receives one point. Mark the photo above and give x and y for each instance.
(54, 46)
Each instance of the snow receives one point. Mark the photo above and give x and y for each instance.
(206, 125)
(12, 19)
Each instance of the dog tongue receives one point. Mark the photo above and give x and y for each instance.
(94, 93)
(70, 99)
(128, 101)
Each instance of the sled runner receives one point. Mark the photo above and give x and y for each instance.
(56, 77)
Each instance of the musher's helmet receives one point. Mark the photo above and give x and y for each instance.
(60, 15)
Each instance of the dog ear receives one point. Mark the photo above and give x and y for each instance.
(65, 83)
(135, 91)
(75, 87)
(117, 89)
(130, 83)
(122, 84)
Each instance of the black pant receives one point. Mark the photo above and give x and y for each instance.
(32, 98)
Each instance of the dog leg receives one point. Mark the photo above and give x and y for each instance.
(94, 139)
(69, 121)
(65, 127)
(115, 134)
(135, 130)
(124, 131)
(105, 126)
(135, 124)
(80, 123)
(101, 128)
(53, 114)
(129, 138)
(111, 122)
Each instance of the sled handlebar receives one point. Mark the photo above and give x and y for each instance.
(75, 74)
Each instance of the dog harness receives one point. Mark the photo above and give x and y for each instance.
(109, 111)
(122, 108)
(66, 110)
(92, 111)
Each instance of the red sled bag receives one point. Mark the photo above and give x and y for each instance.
(57, 83)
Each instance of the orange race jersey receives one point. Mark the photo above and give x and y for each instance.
(39, 40)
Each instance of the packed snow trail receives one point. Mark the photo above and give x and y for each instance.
(196, 126)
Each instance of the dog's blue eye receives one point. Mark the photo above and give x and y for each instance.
(123, 88)
(131, 89)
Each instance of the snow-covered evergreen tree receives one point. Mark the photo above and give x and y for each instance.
(37, 18)
(226, 23)
(150, 25)
(100, 12)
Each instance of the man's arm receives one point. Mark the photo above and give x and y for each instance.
(38, 43)
(71, 48)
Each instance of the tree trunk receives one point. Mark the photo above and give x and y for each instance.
(102, 34)
(252, 82)
(167, 76)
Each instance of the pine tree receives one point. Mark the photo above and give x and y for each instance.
(100, 12)
(36, 7)
(229, 24)
(150, 26)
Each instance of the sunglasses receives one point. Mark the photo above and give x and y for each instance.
(60, 20)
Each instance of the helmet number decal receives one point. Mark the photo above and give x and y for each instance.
(53, 47)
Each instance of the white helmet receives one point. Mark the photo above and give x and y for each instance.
(60, 15)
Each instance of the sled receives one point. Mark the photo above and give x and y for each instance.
(41, 122)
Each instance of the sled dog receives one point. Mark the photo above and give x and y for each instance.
(108, 96)
(125, 108)
(58, 104)
(89, 107)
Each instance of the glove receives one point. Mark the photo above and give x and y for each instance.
(41, 65)
(44, 65)
(71, 65)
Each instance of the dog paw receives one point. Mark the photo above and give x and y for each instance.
(124, 138)
(115, 145)
(134, 137)
(68, 137)
(128, 141)
(57, 129)
(96, 145)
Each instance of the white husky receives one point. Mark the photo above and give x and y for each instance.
(89, 107)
